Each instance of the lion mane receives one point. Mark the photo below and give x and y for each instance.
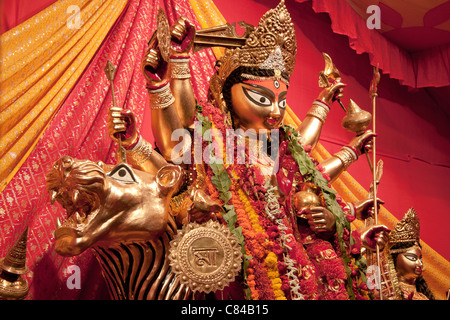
(71, 181)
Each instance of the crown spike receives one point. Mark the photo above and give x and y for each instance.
(12, 285)
(407, 229)
(271, 45)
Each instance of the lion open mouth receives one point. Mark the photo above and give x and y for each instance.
(76, 220)
(77, 185)
(80, 213)
(71, 234)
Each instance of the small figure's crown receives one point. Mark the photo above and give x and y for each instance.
(406, 230)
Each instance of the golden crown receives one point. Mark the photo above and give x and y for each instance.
(407, 229)
(271, 45)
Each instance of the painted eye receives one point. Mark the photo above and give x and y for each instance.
(257, 98)
(122, 173)
(411, 257)
(282, 104)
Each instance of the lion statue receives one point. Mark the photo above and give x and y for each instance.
(122, 214)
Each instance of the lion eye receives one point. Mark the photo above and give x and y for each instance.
(123, 173)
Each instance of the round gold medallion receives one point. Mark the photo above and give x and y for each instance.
(206, 257)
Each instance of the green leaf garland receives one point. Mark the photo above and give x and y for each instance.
(310, 173)
(222, 181)
(307, 168)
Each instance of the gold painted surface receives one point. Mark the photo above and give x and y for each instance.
(123, 215)
(437, 273)
(13, 286)
(108, 205)
(206, 257)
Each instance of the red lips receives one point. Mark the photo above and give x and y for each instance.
(272, 121)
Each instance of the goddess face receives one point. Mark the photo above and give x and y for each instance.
(259, 104)
(409, 264)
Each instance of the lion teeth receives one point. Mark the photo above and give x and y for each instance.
(53, 195)
(58, 222)
(79, 218)
(75, 196)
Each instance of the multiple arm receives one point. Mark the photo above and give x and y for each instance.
(311, 128)
(171, 98)
(320, 219)
(172, 104)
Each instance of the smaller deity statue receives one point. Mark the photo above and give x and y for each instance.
(405, 261)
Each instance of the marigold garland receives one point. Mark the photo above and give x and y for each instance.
(274, 276)
(255, 248)
(298, 286)
(276, 265)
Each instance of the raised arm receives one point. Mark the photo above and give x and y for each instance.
(341, 160)
(311, 127)
(182, 40)
(170, 92)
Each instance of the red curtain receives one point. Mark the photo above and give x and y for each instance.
(78, 130)
(427, 68)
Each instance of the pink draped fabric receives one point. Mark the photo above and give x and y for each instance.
(428, 68)
(78, 130)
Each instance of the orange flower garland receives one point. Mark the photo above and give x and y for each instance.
(277, 264)
(271, 260)
(254, 242)
(274, 276)
(264, 267)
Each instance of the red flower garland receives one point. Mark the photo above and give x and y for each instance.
(330, 271)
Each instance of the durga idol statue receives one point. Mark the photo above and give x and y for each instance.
(290, 232)
(291, 227)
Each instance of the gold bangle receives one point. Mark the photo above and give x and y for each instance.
(141, 152)
(319, 110)
(161, 98)
(179, 68)
(347, 156)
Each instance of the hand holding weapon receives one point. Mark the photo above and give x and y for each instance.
(110, 71)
